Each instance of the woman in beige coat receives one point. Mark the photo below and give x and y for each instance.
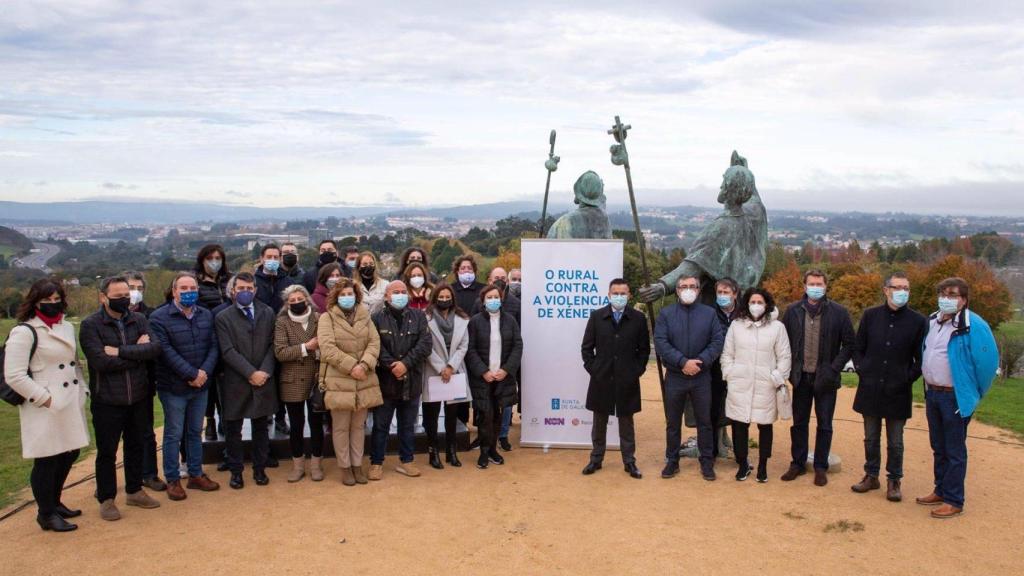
(349, 346)
(755, 363)
(297, 351)
(53, 423)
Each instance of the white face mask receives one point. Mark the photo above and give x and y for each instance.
(136, 297)
(688, 296)
(416, 281)
(756, 310)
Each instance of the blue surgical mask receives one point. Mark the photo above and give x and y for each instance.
(723, 300)
(271, 266)
(188, 298)
(467, 277)
(492, 304)
(900, 297)
(347, 302)
(948, 305)
(245, 297)
(351, 263)
(399, 301)
(618, 301)
(815, 292)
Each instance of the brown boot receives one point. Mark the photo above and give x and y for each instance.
(947, 511)
(298, 469)
(866, 484)
(347, 477)
(930, 500)
(316, 468)
(820, 477)
(360, 475)
(793, 472)
(893, 492)
(175, 491)
(202, 483)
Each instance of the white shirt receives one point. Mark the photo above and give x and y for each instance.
(494, 359)
(935, 364)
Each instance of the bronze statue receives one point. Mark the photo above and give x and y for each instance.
(733, 245)
(590, 219)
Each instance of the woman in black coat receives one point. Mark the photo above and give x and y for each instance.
(492, 366)
(211, 270)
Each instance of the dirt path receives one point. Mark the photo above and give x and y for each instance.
(537, 514)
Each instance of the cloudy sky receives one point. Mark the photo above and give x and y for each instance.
(872, 105)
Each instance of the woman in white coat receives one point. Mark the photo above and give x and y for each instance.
(755, 363)
(53, 423)
(449, 330)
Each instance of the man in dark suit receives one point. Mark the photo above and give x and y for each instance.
(616, 347)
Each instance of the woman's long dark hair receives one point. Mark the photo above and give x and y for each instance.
(744, 304)
(223, 274)
(39, 291)
(455, 304)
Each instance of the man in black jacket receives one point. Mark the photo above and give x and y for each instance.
(405, 343)
(616, 347)
(290, 263)
(118, 349)
(328, 253)
(888, 361)
(821, 337)
(150, 474)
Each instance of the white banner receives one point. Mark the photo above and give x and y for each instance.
(563, 281)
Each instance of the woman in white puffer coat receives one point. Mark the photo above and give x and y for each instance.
(755, 363)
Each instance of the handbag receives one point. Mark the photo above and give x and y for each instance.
(316, 393)
(784, 401)
(8, 394)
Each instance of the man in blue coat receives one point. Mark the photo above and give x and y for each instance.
(689, 338)
(959, 363)
(188, 356)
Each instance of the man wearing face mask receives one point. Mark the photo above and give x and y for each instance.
(689, 338)
(405, 344)
(616, 347)
(328, 253)
(822, 340)
(888, 361)
(290, 262)
(959, 362)
(271, 279)
(351, 258)
(515, 282)
(248, 389)
(118, 349)
(726, 293)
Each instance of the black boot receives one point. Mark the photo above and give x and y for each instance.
(435, 459)
(211, 430)
(451, 456)
(56, 523)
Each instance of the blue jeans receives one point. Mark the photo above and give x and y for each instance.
(947, 431)
(677, 390)
(179, 409)
(382, 415)
(506, 422)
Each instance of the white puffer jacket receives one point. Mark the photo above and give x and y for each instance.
(755, 361)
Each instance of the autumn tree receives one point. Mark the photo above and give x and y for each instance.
(989, 296)
(786, 285)
(857, 292)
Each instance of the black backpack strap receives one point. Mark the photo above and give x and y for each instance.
(35, 341)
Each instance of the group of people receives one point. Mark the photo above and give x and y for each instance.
(330, 346)
(737, 363)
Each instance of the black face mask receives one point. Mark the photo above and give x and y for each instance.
(367, 271)
(445, 304)
(119, 305)
(327, 258)
(51, 309)
(298, 308)
(290, 260)
(500, 284)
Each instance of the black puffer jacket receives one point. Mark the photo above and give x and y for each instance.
(124, 379)
(404, 337)
(211, 294)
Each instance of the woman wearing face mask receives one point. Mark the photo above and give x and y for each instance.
(41, 365)
(492, 360)
(755, 362)
(211, 269)
(415, 278)
(371, 285)
(297, 352)
(415, 254)
(449, 331)
(349, 347)
(328, 276)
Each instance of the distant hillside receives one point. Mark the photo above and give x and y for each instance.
(18, 243)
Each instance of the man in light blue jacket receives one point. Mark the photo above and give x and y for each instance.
(959, 363)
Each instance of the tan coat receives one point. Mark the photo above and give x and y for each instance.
(342, 346)
(56, 376)
(755, 361)
(298, 372)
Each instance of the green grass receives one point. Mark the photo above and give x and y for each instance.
(6, 250)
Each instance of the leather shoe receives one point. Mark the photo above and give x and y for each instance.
(820, 477)
(202, 483)
(435, 459)
(893, 493)
(175, 491)
(65, 512)
(709, 474)
(932, 499)
(793, 472)
(260, 477)
(591, 467)
(452, 457)
(236, 482)
(633, 471)
(505, 444)
(867, 483)
(947, 511)
(55, 523)
(670, 470)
